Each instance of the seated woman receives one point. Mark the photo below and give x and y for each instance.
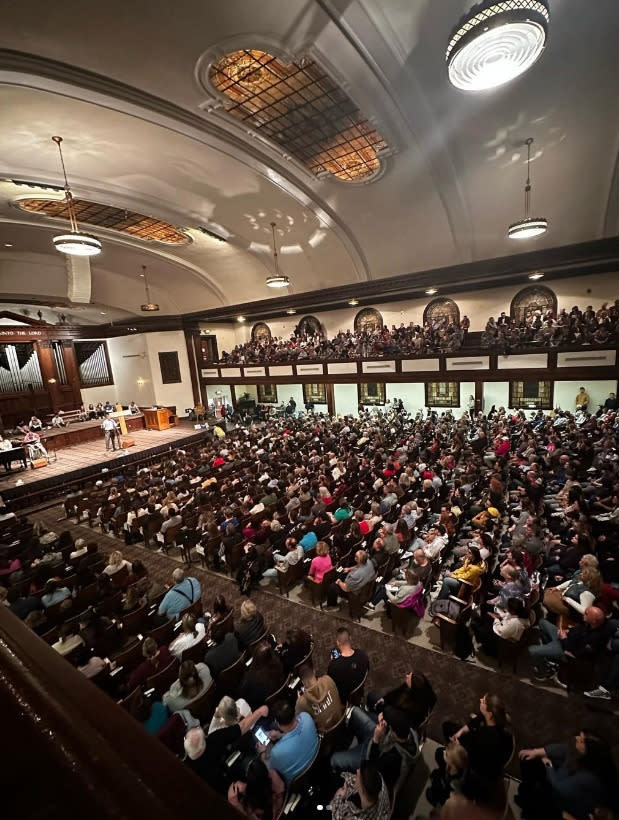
(488, 741)
(321, 564)
(191, 634)
(132, 600)
(143, 582)
(508, 624)
(115, 563)
(193, 681)
(567, 779)
(221, 610)
(575, 595)
(35, 425)
(397, 591)
(471, 570)
(251, 626)
(261, 794)
(264, 677)
(156, 658)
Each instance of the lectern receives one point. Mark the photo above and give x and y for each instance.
(158, 418)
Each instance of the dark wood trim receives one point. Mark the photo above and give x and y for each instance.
(479, 395)
(196, 381)
(82, 744)
(330, 398)
(232, 397)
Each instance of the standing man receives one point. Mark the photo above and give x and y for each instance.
(471, 407)
(582, 400)
(108, 425)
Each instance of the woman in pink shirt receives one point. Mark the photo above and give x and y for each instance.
(321, 563)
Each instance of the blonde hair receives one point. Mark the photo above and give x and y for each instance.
(456, 758)
(590, 576)
(248, 610)
(115, 558)
(322, 548)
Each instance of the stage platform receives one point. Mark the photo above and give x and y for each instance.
(80, 432)
(82, 461)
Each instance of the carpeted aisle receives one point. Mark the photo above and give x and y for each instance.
(538, 715)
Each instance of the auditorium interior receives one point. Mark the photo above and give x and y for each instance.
(309, 319)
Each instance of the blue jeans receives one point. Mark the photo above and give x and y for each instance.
(363, 726)
(450, 587)
(550, 648)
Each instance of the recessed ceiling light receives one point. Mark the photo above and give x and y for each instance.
(353, 302)
(8, 245)
(497, 41)
(430, 291)
(103, 313)
(537, 275)
(291, 311)
(240, 318)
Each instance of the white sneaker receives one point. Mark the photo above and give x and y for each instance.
(600, 693)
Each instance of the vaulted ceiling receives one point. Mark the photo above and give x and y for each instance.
(130, 88)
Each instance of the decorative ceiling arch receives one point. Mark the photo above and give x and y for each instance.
(301, 108)
(310, 326)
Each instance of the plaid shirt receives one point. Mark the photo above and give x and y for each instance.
(343, 808)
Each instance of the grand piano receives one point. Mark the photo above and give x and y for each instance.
(7, 457)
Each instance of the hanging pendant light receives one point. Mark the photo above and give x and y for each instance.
(530, 226)
(496, 42)
(149, 307)
(75, 243)
(279, 280)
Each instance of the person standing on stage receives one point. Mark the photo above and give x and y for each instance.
(109, 427)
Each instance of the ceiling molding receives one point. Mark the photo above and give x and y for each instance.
(17, 68)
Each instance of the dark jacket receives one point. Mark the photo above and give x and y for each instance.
(223, 654)
(249, 631)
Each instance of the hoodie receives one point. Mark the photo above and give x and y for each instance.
(322, 702)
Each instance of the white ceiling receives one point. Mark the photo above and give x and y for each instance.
(141, 136)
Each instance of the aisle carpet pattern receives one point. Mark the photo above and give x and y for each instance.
(538, 715)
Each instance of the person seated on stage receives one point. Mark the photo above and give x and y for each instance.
(35, 425)
(83, 413)
(35, 448)
(5, 443)
(100, 411)
(57, 420)
(108, 406)
(92, 413)
(134, 409)
(22, 426)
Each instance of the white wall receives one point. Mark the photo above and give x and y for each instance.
(211, 389)
(179, 394)
(346, 399)
(412, 395)
(496, 393)
(565, 393)
(130, 363)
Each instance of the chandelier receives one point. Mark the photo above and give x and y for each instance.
(530, 226)
(149, 307)
(278, 280)
(496, 42)
(75, 243)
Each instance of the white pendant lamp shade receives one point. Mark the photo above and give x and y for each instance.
(497, 42)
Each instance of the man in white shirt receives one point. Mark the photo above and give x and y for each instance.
(433, 542)
(294, 554)
(109, 427)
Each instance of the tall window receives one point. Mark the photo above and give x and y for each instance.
(93, 364)
(372, 393)
(443, 394)
(531, 395)
(170, 368)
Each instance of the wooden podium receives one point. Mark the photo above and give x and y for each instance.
(158, 419)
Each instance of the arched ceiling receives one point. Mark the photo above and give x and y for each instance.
(126, 85)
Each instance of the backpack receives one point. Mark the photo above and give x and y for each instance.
(463, 644)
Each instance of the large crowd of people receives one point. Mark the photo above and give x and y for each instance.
(537, 329)
(517, 515)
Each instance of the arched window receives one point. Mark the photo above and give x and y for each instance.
(261, 332)
(531, 299)
(442, 309)
(310, 326)
(368, 320)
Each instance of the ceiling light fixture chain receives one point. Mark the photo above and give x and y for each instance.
(149, 307)
(529, 227)
(74, 243)
(279, 280)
